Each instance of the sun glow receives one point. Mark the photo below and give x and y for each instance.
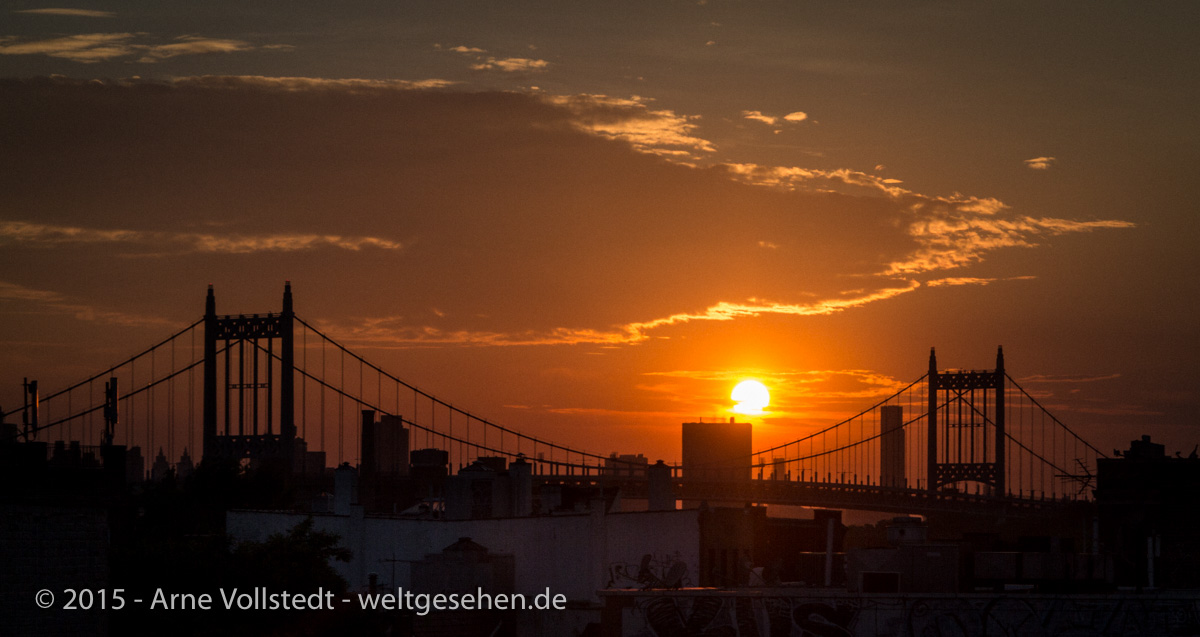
(751, 397)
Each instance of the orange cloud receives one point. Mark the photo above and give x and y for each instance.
(772, 120)
(967, 280)
(661, 132)
(97, 47)
(511, 65)
(33, 233)
(296, 84)
(394, 331)
(78, 13)
(56, 303)
(1040, 163)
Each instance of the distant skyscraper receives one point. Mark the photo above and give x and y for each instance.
(384, 445)
(184, 467)
(717, 450)
(160, 468)
(891, 452)
(135, 466)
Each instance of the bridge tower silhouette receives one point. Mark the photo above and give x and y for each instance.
(249, 418)
(965, 413)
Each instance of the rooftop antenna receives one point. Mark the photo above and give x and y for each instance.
(110, 411)
(29, 417)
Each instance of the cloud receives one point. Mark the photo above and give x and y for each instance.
(517, 202)
(797, 178)
(308, 84)
(511, 65)
(1040, 163)
(86, 48)
(97, 47)
(57, 303)
(1068, 378)
(725, 311)
(660, 132)
(12, 291)
(967, 280)
(488, 63)
(183, 242)
(192, 45)
(951, 231)
(772, 120)
(759, 117)
(395, 331)
(80, 13)
(952, 236)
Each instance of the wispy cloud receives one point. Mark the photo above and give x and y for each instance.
(1040, 163)
(12, 291)
(50, 235)
(86, 48)
(725, 311)
(511, 65)
(809, 383)
(398, 331)
(295, 84)
(54, 302)
(484, 62)
(192, 45)
(774, 120)
(759, 117)
(952, 237)
(1068, 378)
(97, 47)
(79, 13)
(967, 280)
(951, 231)
(797, 178)
(661, 132)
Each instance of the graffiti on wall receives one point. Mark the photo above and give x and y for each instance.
(711, 613)
(654, 571)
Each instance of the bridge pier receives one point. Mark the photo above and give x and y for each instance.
(969, 458)
(275, 445)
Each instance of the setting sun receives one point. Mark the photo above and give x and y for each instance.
(751, 397)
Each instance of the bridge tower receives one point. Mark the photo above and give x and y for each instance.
(966, 426)
(249, 385)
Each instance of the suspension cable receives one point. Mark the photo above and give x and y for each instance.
(113, 368)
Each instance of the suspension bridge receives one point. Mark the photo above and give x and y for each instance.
(272, 389)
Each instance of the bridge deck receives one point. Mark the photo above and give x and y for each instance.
(833, 495)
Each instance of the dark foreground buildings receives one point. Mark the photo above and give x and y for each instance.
(405, 521)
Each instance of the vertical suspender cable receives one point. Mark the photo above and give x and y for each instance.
(342, 411)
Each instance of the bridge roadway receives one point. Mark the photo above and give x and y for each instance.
(832, 495)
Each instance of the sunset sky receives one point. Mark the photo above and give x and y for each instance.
(590, 220)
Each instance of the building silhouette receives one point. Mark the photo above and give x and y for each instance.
(717, 450)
